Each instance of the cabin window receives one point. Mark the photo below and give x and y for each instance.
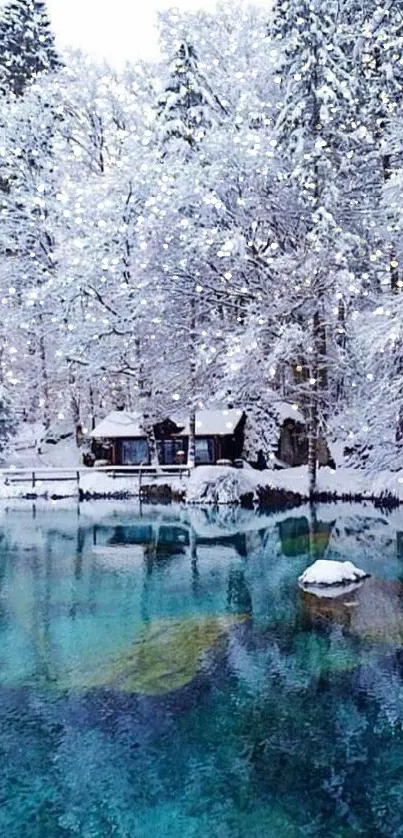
(204, 451)
(134, 452)
(169, 451)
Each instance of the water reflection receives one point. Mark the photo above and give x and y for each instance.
(163, 668)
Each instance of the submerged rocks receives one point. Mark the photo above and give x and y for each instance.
(325, 573)
(371, 611)
(166, 657)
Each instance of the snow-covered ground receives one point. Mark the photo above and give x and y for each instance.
(27, 451)
(210, 484)
(207, 484)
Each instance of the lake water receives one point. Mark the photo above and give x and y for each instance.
(161, 674)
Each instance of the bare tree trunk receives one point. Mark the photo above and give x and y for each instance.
(395, 283)
(129, 402)
(148, 427)
(44, 375)
(192, 416)
(341, 341)
(313, 420)
(78, 428)
(75, 408)
(313, 442)
(92, 406)
(192, 440)
(145, 407)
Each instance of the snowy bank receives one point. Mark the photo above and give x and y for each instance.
(289, 487)
(213, 485)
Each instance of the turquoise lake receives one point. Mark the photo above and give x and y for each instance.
(161, 673)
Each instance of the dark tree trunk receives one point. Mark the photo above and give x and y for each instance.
(317, 388)
(148, 427)
(44, 375)
(192, 440)
(192, 416)
(92, 406)
(395, 283)
(313, 441)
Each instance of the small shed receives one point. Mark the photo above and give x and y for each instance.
(282, 433)
(292, 448)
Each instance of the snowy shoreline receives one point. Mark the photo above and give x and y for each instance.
(212, 485)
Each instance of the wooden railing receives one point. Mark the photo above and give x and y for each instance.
(36, 476)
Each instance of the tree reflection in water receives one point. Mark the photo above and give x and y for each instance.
(165, 668)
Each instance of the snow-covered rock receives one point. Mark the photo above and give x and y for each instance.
(327, 573)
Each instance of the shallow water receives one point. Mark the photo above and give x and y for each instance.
(161, 674)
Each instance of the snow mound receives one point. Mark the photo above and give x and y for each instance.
(219, 485)
(326, 573)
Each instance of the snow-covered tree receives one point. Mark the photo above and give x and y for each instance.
(8, 418)
(314, 140)
(183, 107)
(27, 47)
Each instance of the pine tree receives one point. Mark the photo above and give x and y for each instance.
(27, 47)
(185, 107)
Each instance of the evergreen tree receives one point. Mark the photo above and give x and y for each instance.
(27, 47)
(185, 107)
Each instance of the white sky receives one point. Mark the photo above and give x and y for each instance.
(117, 30)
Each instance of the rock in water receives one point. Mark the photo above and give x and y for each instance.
(327, 573)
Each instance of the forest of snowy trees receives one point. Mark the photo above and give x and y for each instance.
(223, 226)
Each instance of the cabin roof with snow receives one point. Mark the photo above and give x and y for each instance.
(122, 425)
(119, 425)
(286, 411)
(212, 422)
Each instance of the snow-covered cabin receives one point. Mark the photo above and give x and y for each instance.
(120, 438)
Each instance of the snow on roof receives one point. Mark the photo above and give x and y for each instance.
(289, 411)
(118, 424)
(213, 422)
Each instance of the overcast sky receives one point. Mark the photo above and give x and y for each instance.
(117, 30)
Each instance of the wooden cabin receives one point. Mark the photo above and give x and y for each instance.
(120, 440)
